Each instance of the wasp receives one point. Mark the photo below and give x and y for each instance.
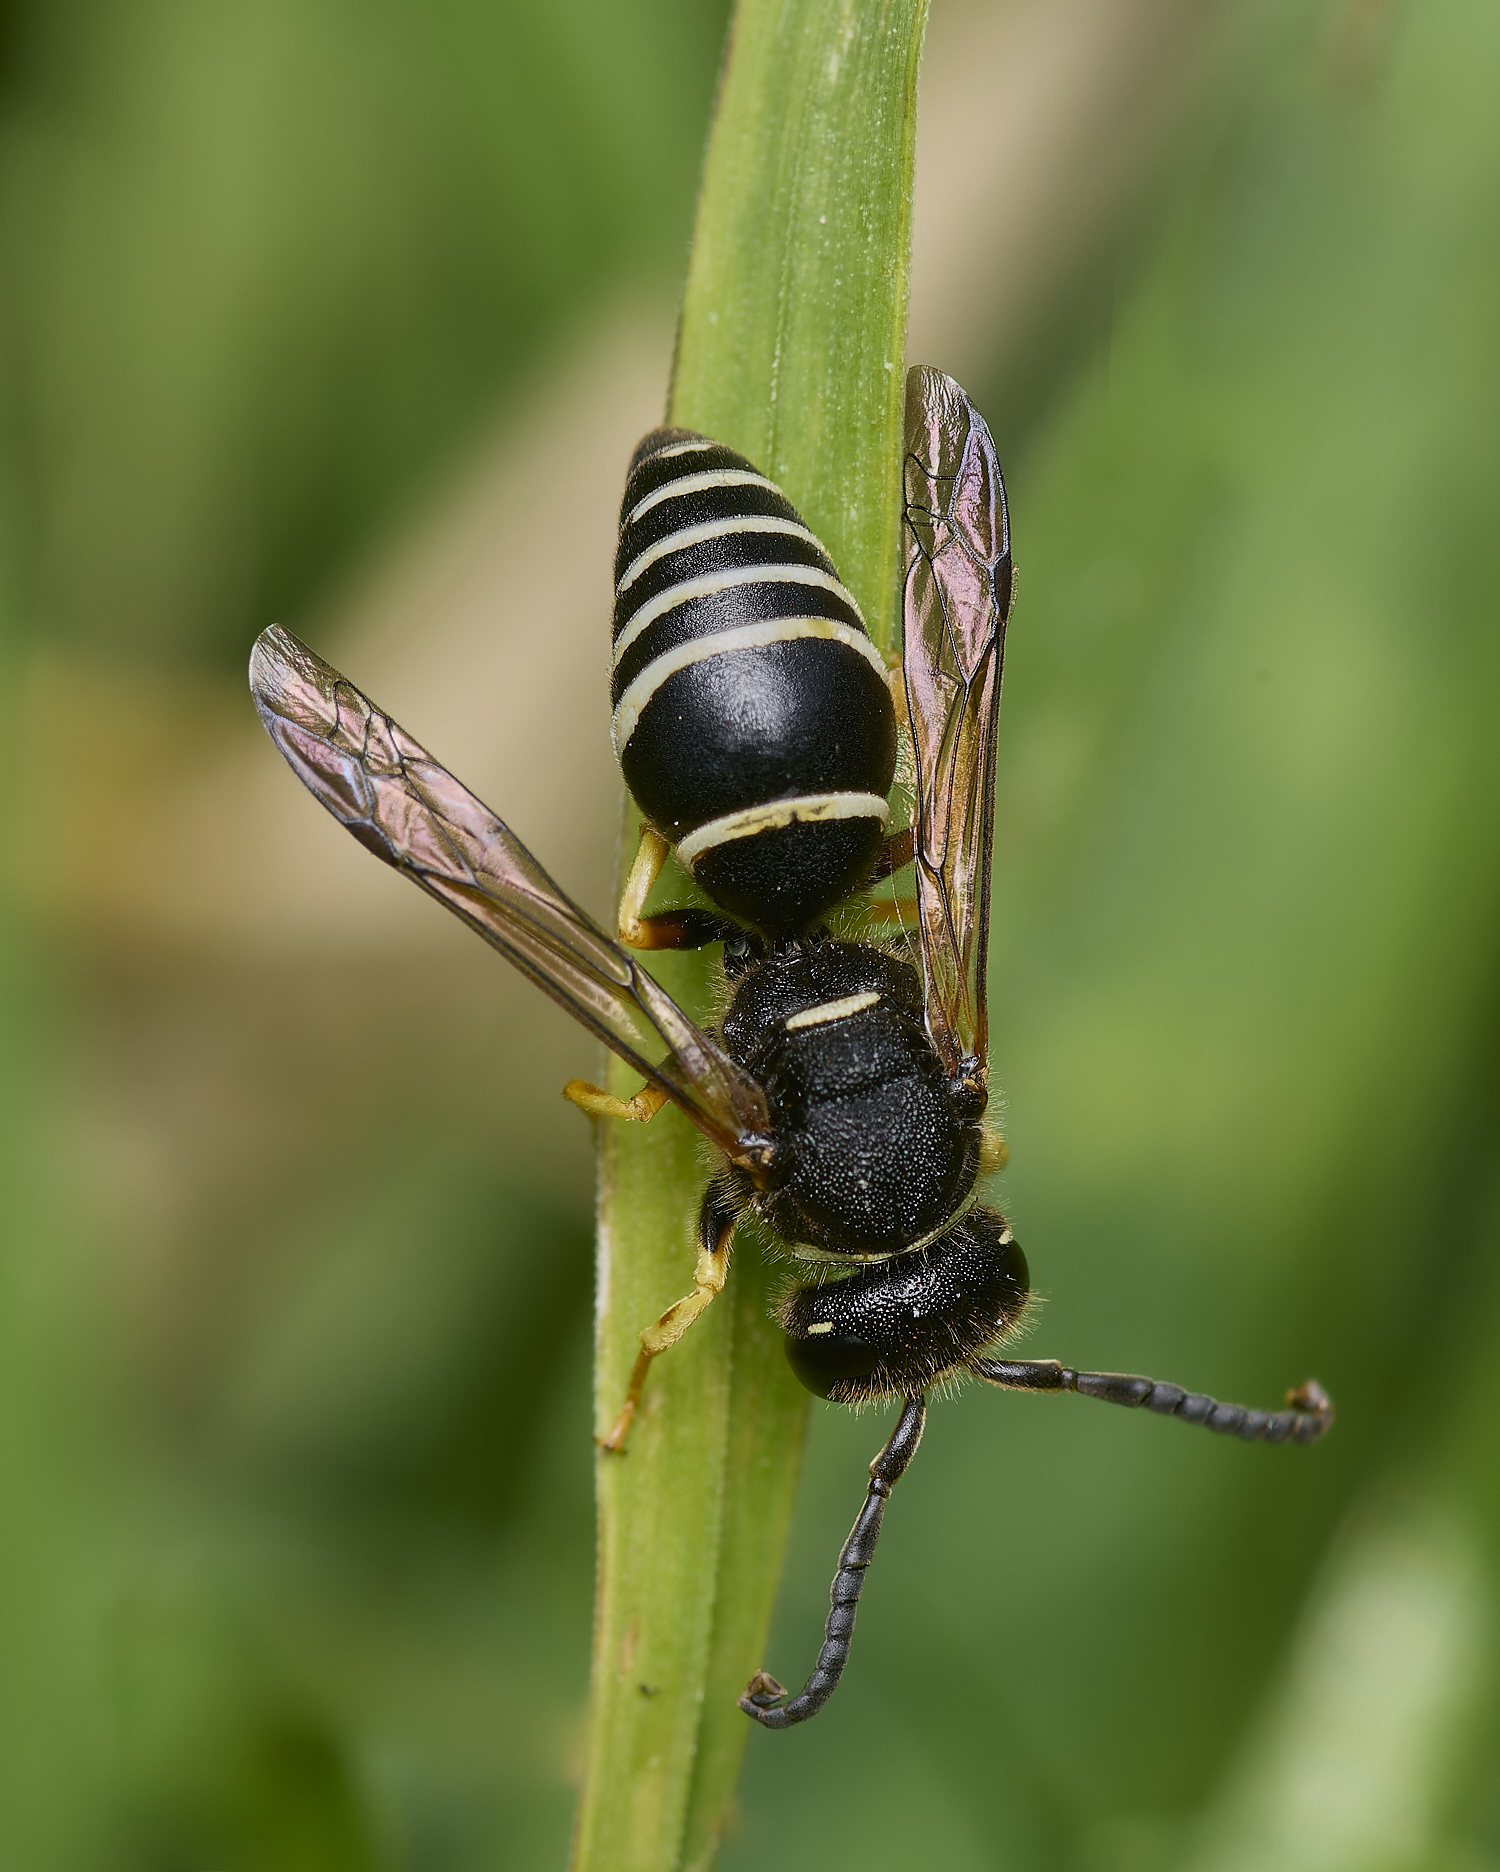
(845, 1091)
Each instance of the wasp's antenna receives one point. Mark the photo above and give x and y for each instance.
(1308, 1414)
(764, 1698)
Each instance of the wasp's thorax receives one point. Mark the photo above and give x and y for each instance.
(875, 1150)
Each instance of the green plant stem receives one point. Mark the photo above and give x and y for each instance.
(792, 350)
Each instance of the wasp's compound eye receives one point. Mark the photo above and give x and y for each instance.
(832, 1363)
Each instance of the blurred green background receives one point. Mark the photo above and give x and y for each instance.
(347, 317)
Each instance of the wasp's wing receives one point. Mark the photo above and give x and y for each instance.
(401, 805)
(957, 599)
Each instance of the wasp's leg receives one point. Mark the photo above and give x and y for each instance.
(994, 1153)
(687, 928)
(601, 1104)
(716, 1220)
(1308, 1413)
(764, 1698)
(650, 856)
(901, 910)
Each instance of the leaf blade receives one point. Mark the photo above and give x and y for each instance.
(791, 349)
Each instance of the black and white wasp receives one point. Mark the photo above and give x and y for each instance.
(847, 1085)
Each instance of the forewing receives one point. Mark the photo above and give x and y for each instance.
(410, 812)
(958, 581)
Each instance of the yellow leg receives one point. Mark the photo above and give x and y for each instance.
(600, 1104)
(895, 910)
(708, 1283)
(994, 1153)
(650, 856)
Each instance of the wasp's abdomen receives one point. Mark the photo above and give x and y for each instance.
(751, 714)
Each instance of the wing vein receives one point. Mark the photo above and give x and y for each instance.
(409, 811)
(957, 593)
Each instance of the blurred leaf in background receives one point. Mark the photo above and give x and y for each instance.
(1246, 974)
(350, 317)
(270, 262)
(299, 1546)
